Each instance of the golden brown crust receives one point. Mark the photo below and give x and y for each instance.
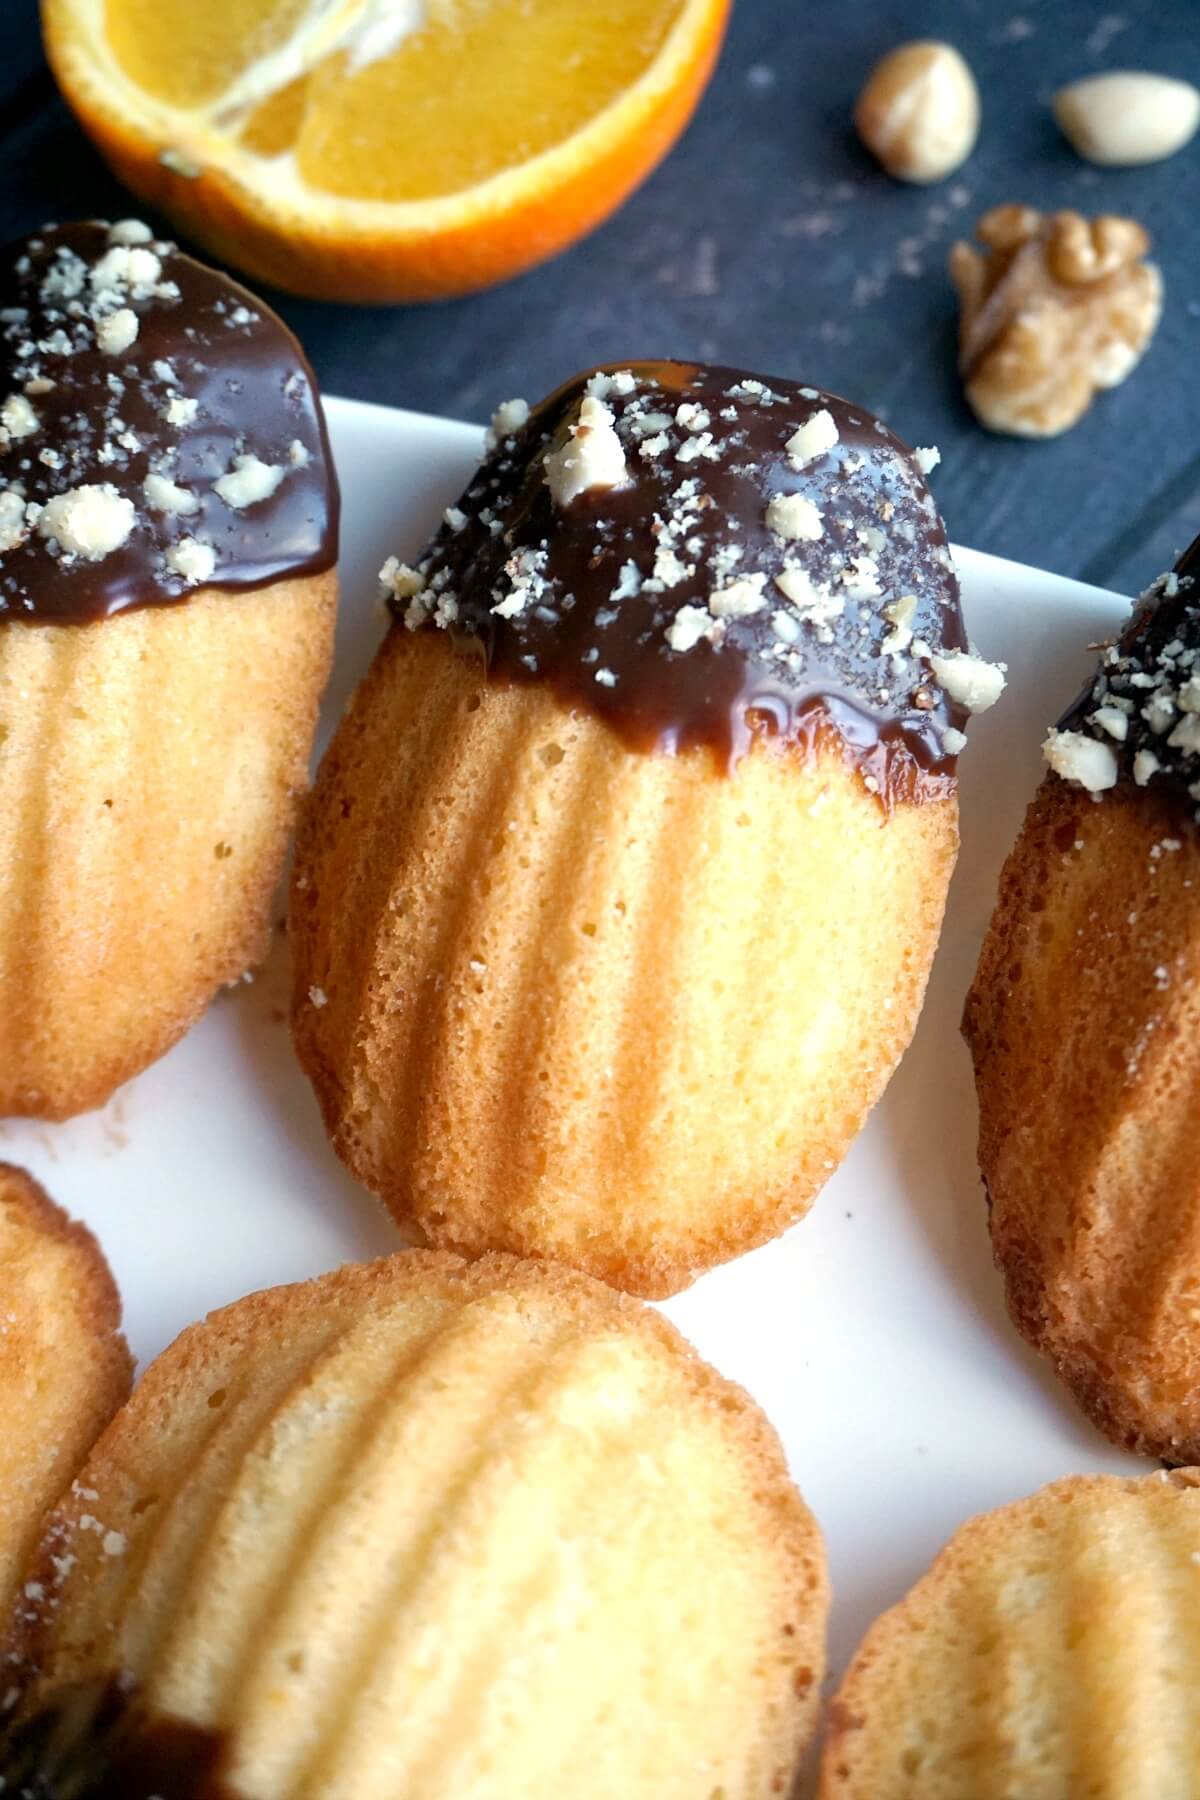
(64, 1366)
(239, 1525)
(1051, 1651)
(563, 999)
(148, 782)
(1087, 988)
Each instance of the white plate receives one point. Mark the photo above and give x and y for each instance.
(874, 1333)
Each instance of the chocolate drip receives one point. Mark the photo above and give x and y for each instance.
(594, 597)
(211, 375)
(91, 1742)
(1150, 681)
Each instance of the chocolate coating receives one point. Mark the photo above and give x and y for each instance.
(200, 337)
(1151, 677)
(91, 1742)
(613, 578)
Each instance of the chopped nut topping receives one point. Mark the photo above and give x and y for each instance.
(690, 624)
(248, 482)
(526, 582)
(1113, 721)
(130, 231)
(812, 439)
(166, 496)
(969, 680)
(602, 386)
(117, 331)
(508, 418)
(817, 605)
(653, 447)
(1082, 759)
(13, 524)
(900, 613)
(89, 521)
(193, 560)
(592, 456)
(400, 580)
(792, 516)
(124, 269)
(738, 599)
(17, 417)
(180, 410)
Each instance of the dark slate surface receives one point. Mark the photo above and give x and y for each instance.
(770, 240)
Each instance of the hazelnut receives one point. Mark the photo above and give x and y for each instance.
(919, 111)
(1127, 117)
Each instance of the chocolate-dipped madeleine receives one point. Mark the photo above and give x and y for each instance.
(617, 894)
(168, 534)
(1081, 1022)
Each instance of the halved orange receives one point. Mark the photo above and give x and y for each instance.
(383, 149)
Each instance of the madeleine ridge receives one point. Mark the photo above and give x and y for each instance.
(1080, 1020)
(168, 530)
(615, 899)
(64, 1366)
(1051, 1652)
(426, 1527)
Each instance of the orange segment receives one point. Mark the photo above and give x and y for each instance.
(384, 149)
(189, 55)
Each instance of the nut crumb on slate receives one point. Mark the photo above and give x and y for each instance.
(654, 519)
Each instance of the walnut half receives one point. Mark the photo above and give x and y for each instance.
(1054, 307)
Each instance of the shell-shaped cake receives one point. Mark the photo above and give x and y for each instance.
(1081, 1020)
(425, 1528)
(617, 895)
(168, 530)
(1051, 1652)
(64, 1367)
